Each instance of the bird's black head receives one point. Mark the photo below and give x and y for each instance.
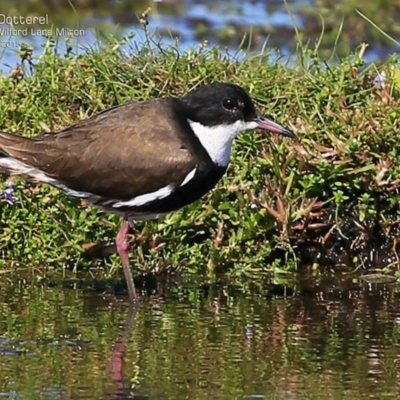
(219, 104)
(217, 113)
(227, 104)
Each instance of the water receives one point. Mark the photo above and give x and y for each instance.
(192, 342)
(192, 22)
(95, 28)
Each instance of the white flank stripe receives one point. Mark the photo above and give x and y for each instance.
(217, 140)
(189, 176)
(13, 166)
(149, 197)
(146, 198)
(19, 168)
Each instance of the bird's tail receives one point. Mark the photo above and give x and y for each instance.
(17, 157)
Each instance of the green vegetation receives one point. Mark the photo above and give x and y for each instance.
(331, 197)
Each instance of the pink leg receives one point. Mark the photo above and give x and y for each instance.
(122, 243)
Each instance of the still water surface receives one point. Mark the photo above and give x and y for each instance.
(186, 342)
(268, 25)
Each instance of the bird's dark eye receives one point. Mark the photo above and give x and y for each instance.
(229, 104)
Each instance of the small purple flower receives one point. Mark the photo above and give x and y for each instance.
(8, 194)
(380, 79)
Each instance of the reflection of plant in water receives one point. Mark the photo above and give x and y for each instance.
(324, 22)
(327, 20)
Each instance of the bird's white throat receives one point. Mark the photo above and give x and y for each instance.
(217, 140)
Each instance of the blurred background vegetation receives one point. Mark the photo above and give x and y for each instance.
(233, 22)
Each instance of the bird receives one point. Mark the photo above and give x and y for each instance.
(142, 159)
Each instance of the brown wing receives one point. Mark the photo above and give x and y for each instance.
(121, 153)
